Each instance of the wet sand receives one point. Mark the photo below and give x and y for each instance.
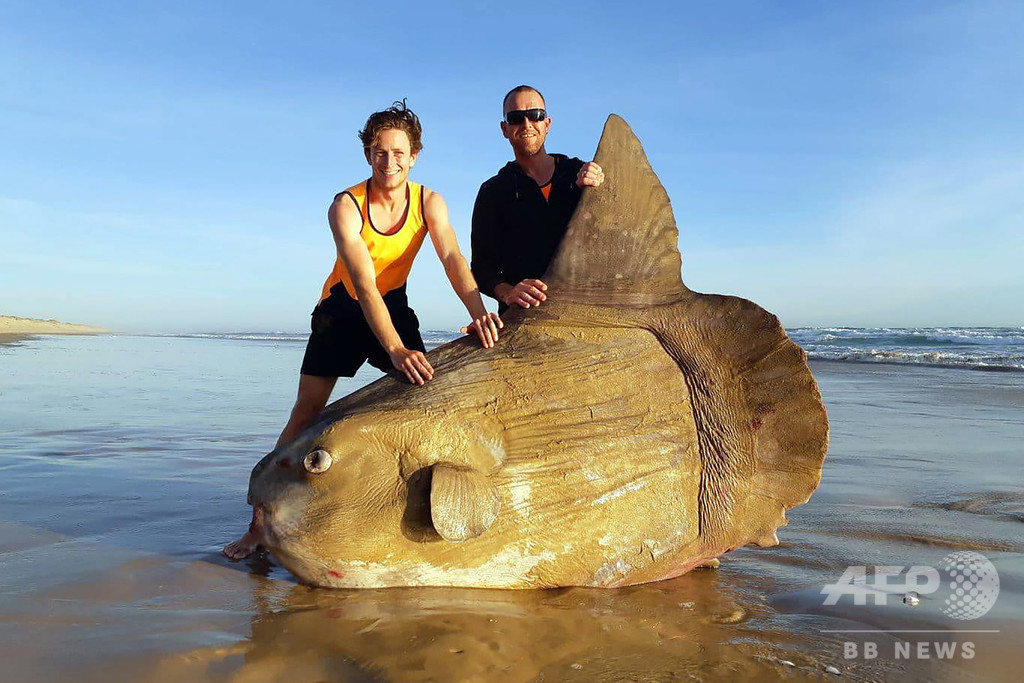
(11, 338)
(124, 472)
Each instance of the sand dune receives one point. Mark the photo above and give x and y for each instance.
(11, 326)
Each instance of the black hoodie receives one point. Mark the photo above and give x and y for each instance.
(515, 230)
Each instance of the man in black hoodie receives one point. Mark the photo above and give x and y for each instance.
(522, 213)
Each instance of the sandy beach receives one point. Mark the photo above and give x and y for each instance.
(125, 466)
(13, 328)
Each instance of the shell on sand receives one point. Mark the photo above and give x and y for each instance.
(626, 431)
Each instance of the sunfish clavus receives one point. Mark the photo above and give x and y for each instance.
(627, 431)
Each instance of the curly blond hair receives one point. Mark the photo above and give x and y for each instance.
(398, 117)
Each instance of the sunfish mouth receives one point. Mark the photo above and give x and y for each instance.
(257, 527)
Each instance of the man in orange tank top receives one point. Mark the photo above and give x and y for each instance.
(363, 314)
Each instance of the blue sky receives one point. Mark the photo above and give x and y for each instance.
(167, 166)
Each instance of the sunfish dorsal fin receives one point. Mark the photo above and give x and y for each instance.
(620, 247)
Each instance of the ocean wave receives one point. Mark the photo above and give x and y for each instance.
(241, 336)
(1013, 363)
(964, 336)
(980, 348)
(430, 337)
(438, 337)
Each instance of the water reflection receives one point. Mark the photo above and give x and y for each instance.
(694, 626)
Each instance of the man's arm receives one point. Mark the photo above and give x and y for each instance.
(485, 243)
(446, 245)
(346, 222)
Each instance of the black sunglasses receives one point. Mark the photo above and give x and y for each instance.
(516, 117)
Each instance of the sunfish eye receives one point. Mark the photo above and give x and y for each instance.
(318, 461)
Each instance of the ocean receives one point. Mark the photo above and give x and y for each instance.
(124, 463)
(976, 348)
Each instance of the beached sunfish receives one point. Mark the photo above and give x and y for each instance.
(628, 430)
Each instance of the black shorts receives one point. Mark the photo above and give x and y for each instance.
(341, 340)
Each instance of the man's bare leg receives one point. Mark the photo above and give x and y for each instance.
(314, 393)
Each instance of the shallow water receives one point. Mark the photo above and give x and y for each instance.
(124, 463)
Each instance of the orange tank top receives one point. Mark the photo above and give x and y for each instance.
(392, 250)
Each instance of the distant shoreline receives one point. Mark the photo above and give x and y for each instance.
(13, 328)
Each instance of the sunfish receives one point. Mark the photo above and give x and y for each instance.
(627, 431)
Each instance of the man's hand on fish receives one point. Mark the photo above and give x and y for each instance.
(590, 175)
(413, 364)
(486, 327)
(527, 293)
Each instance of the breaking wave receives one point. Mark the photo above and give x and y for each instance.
(977, 348)
(431, 338)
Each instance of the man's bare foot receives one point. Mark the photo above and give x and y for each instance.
(243, 547)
